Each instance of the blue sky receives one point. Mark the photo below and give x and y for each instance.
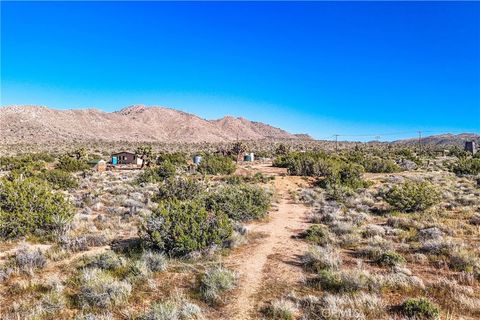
(315, 67)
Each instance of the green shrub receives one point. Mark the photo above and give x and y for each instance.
(412, 196)
(339, 281)
(331, 170)
(318, 234)
(379, 165)
(28, 206)
(33, 160)
(240, 202)
(180, 227)
(215, 282)
(70, 164)
(181, 188)
(164, 170)
(466, 166)
(216, 164)
(390, 259)
(59, 179)
(176, 158)
(420, 308)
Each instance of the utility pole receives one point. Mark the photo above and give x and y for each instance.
(336, 142)
(420, 141)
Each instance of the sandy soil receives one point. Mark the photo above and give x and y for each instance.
(275, 255)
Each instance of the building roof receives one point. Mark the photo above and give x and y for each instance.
(123, 152)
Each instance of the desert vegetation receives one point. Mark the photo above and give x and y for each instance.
(389, 233)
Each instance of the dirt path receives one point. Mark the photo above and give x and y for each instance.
(273, 260)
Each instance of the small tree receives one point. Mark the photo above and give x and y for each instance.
(238, 149)
(79, 154)
(146, 154)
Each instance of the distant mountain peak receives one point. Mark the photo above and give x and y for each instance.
(136, 123)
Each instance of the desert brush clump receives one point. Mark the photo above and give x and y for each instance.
(466, 166)
(175, 308)
(242, 202)
(29, 207)
(59, 179)
(164, 170)
(27, 260)
(97, 288)
(420, 308)
(350, 306)
(216, 164)
(215, 282)
(321, 258)
(180, 188)
(280, 309)
(412, 196)
(180, 227)
(71, 164)
(318, 234)
(155, 261)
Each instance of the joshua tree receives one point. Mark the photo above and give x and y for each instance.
(238, 149)
(281, 150)
(145, 152)
(79, 154)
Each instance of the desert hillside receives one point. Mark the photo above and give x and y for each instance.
(22, 124)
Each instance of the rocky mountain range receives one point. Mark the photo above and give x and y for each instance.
(34, 124)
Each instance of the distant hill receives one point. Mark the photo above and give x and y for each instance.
(34, 124)
(443, 140)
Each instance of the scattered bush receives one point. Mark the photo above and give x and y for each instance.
(351, 306)
(378, 165)
(176, 158)
(318, 234)
(216, 164)
(106, 261)
(280, 309)
(97, 288)
(154, 261)
(420, 308)
(412, 196)
(180, 227)
(27, 260)
(390, 259)
(466, 166)
(59, 179)
(174, 309)
(181, 188)
(28, 206)
(241, 202)
(321, 258)
(215, 282)
(164, 170)
(70, 164)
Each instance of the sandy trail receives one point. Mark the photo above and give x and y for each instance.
(274, 257)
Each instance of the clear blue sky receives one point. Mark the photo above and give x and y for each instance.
(315, 67)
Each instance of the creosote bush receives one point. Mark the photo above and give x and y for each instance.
(29, 206)
(216, 164)
(241, 202)
(420, 308)
(412, 196)
(180, 227)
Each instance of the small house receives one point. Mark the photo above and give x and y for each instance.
(125, 157)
